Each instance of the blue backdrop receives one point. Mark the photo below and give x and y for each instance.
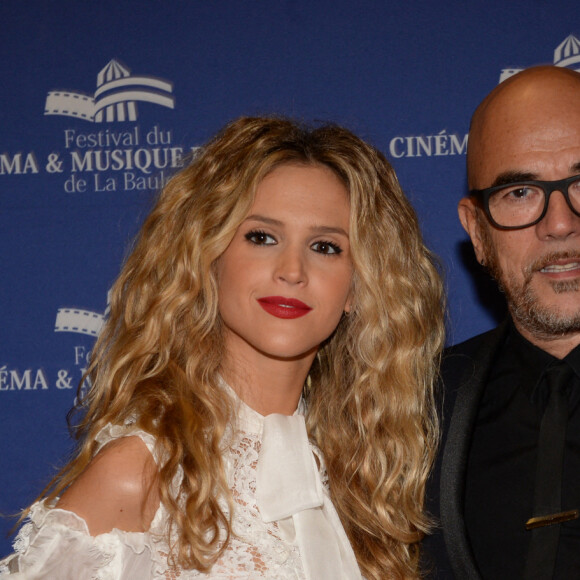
(101, 100)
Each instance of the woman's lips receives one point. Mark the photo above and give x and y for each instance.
(281, 307)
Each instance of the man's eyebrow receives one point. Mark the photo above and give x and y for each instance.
(508, 177)
(314, 228)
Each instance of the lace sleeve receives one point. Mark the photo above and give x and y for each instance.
(55, 544)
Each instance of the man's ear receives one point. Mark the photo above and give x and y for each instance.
(467, 210)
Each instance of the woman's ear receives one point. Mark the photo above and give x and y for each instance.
(348, 304)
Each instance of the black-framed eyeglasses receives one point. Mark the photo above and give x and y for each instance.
(524, 203)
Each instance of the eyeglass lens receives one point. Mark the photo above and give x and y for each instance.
(522, 204)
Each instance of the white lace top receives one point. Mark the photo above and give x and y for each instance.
(295, 535)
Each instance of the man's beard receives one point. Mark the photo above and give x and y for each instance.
(543, 321)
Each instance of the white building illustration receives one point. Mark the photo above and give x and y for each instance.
(115, 98)
(567, 54)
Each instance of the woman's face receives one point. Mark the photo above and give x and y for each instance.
(285, 279)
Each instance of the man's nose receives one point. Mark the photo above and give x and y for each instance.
(560, 221)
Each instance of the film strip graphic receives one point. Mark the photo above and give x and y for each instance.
(115, 98)
(79, 321)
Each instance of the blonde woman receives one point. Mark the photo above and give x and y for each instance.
(262, 400)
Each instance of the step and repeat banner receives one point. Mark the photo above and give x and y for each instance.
(101, 102)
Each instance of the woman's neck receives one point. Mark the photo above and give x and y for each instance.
(267, 385)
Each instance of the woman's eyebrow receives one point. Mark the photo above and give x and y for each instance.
(266, 220)
(314, 228)
(329, 230)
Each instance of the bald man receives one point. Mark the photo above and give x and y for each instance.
(510, 471)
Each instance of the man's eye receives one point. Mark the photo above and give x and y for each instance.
(326, 248)
(521, 193)
(260, 238)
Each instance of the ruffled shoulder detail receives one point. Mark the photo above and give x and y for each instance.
(55, 543)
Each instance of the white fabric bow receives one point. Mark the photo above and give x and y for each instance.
(288, 487)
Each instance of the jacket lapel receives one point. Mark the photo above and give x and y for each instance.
(470, 386)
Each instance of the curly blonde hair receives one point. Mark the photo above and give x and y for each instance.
(369, 395)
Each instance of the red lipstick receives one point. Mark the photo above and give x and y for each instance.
(281, 307)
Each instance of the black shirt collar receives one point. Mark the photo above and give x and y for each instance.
(573, 359)
(533, 361)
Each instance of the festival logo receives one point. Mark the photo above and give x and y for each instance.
(105, 150)
(106, 158)
(74, 320)
(566, 54)
(115, 98)
(84, 322)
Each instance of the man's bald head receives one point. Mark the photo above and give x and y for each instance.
(516, 110)
(528, 129)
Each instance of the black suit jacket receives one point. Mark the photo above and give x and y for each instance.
(464, 371)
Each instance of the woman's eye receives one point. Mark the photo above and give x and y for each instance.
(326, 248)
(260, 238)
